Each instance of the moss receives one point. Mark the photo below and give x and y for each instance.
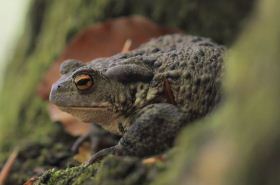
(112, 170)
(41, 155)
(74, 175)
(189, 147)
(121, 171)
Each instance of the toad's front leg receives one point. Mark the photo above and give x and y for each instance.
(153, 131)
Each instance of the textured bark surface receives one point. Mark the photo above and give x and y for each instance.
(237, 144)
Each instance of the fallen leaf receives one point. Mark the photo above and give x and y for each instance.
(84, 153)
(31, 181)
(153, 160)
(5, 171)
(126, 46)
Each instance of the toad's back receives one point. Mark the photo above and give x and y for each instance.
(193, 67)
(186, 72)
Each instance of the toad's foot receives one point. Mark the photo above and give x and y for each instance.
(114, 150)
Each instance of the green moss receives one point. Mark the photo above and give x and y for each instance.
(69, 176)
(126, 171)
(112, 170)
(189, 147)
(53, 151)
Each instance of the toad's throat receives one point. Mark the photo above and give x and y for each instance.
(96, 114)
(101, 115)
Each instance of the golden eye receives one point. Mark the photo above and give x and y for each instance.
(83, 82)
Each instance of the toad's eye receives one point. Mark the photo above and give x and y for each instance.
(83, 82)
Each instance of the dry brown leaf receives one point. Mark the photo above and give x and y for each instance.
(126, 46)
(31, 181)
(84, 153)
(5, 171)
(153, 160)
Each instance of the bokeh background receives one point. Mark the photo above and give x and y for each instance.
(12, 14)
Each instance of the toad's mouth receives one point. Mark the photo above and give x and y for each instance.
(93, 106)
(93, 110)
(84, 108)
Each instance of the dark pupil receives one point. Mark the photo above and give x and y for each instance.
(83, 82)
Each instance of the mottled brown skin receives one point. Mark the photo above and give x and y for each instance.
(146, 95)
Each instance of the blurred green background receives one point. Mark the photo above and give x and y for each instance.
(12, 14)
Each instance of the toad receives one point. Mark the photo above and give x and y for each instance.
(146, 95)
